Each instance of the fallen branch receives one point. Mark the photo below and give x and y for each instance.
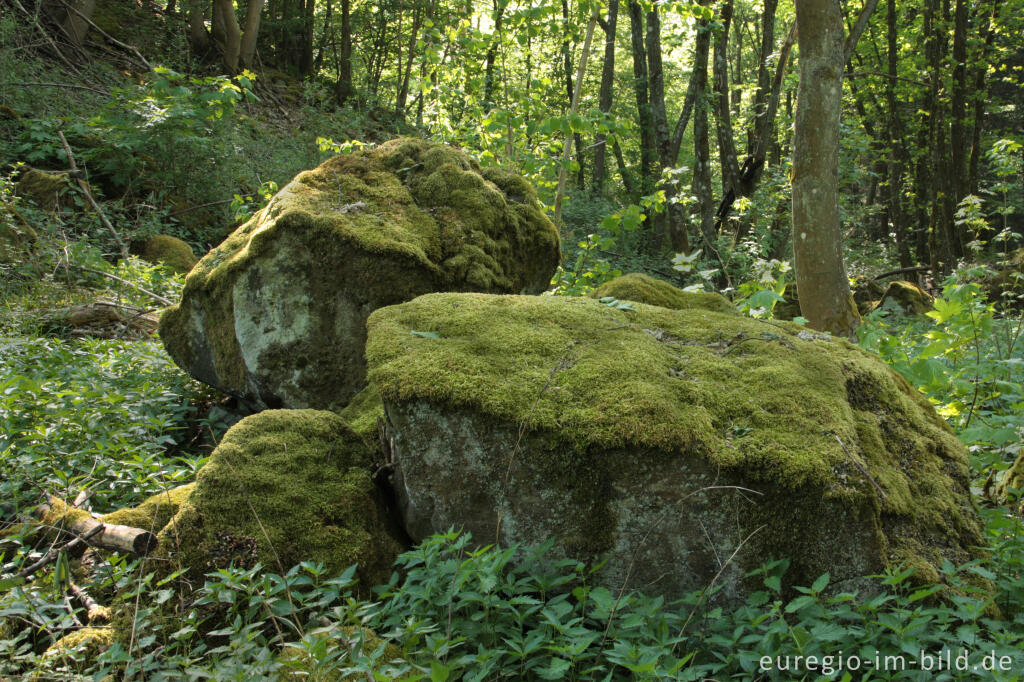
(903, 271)
(59, 85)
(106, 536)
(109, 37)
(156, 297)
(56, 551)
(82, 185)
(95, 612)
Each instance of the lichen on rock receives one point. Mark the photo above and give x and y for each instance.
(643, 288)
(285, 486)
(276, 314)
(664, 440)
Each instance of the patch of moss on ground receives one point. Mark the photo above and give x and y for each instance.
(643, 288)
(76, 652)
(285, 486)
(807, 415)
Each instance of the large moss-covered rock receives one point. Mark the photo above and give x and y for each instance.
(43, 188)
(906, 298)
(643, 288)
(664, 441)
(276, 314)
(163, 249)
(285, 486)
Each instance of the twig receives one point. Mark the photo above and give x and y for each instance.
(859, 466)
(156, 297)
(94, 611)
(60, 53)
(903, 271)
(54, 553)
(109, 37)
(88, 195)
(58, 85)
(710, 585)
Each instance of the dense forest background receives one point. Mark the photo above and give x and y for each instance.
(659, 136)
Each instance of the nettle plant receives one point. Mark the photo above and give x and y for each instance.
(967, 359)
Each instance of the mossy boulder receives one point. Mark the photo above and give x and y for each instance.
(163, 249)
(664, 441)
(43, 188)
(285, 486)
(643, 288)
(867, 292)
(906, 298)
(276, 314)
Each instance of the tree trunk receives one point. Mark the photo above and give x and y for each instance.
(643, 106)
(822, 286)
(198, 36)
(225, 19)
(492, 55)
(726, 143)
(701, 141)
(343, 89)
(605, 97)
(247, 50)
(569, 88)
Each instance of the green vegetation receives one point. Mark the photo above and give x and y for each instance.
(677, 156)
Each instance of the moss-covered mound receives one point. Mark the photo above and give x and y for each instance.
(45, 189)
(645, 289)
(663, 440)
(163, 249)
(906, 298)
(276, 314)
(285, 486)
(867, 292)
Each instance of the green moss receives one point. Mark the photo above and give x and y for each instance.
(164, 249)
(908, 297)
(154, 512)
(362, 414)
(867, 292)
(362, 231)
(807, 416)
(62, 515)
(77, 651)
(45, 189)
(645, 289)
(284, 486)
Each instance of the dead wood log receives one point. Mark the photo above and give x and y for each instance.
(110, 536)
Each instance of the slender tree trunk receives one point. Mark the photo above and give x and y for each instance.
(701, 142)
(247, 50)
(605, 97)
(343, 90)
(306, 55)
(224, 10)
(673, 220)
(980, 94)
(643, 105)
(723, 118)
(403, 90)
(822, 285)
(569, 88)
(898, 160)
(492, 54)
